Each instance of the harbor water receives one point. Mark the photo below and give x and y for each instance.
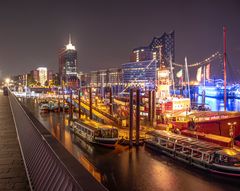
(218, 104)
(133, 169)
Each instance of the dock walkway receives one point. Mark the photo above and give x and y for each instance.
(12, 171)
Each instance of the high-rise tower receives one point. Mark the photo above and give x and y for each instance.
(68, 65)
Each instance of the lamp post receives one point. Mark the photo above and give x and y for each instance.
(7, 81)
(232, 132)
(79, 103)
(59, 99)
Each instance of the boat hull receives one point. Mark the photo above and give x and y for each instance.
(211, 167)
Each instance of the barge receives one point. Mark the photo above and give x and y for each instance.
(96, 133)
(202, 154)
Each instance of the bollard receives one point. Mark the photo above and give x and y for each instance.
(79, 103)
(131, 118)
(90, 102)
(137, 116)
(149, 105)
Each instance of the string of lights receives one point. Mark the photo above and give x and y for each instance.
(205, 61)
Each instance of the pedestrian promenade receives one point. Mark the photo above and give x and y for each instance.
(12, 171)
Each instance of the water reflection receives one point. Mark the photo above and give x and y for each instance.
(131, 169)
(218, 104)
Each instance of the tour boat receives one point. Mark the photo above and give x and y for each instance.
(202, 154)
(96, 133)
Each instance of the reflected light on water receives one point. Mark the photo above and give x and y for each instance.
(218, 104)
(68, 141)
(136, 168)
(90, 168)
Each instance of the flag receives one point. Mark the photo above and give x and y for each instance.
(199, 74)
(208, 72)
(180, 74)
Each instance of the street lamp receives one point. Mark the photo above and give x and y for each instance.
(232, 132)
(7, 81)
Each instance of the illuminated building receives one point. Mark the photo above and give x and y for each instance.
(102, 79)
(115, 76)
(43, 75)
(163, 83)
(68, 65)
(94, 78)
(140, 74)
(34, 75)
(160, 49)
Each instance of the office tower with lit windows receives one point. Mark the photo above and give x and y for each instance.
(43, 75)
(68, 65)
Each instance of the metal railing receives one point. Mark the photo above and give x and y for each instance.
(45, 169)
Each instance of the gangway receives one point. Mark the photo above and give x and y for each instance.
(97, 113)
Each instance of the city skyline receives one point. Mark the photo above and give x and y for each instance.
(105, 33)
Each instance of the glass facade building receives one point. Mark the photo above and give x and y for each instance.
(68, 65)
(140, 74)
(160, 48)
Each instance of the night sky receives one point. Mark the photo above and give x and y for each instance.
(104, 32)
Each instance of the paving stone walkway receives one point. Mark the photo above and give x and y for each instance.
(12, 171)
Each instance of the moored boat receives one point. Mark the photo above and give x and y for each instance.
(53, 106)
(202, 154)
(96, 133)
(44, 108)
(208, 122)
(65, 107)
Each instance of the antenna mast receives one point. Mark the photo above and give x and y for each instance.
(69, 39)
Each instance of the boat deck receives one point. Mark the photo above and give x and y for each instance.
(221, 140)
(93, 124)
(189, 142)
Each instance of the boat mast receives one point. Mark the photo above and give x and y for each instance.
(224, 66)
(173, 83)
(204, 77)
(187, 75)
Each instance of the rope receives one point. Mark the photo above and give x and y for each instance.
(203, 62)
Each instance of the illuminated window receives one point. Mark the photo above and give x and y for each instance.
(154, 55)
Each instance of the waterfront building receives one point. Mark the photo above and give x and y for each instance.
(102, 79)
(94, 78)
(140, 74)
(50, 75)
(34, 75)
(68, 65)
(43, 75)
(161, 48)
(115, 76)
(115, 80)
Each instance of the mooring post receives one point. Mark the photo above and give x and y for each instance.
(131, 118)
(63, 100)
(137, 116)
(58, 100)
(79, 103)
(154, 108)
(71, 108)
(149, 105)
(203, 98)
(111, 101)
(90, 102)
